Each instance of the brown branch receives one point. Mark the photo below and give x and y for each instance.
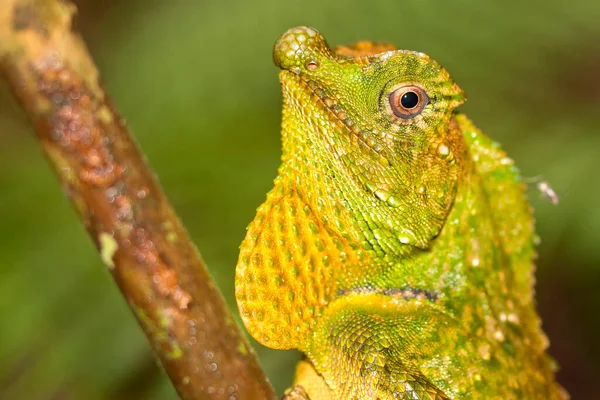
(139, 237)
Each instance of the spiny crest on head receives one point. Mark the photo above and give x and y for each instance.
(364, 48)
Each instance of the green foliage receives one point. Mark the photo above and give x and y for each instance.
(197, 85)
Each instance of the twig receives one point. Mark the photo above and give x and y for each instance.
(139, 237)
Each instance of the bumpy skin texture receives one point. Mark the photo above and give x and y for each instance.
(395, 253)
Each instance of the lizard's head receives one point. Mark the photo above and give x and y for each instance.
(376, 126)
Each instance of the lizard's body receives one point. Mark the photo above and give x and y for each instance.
(395, 250)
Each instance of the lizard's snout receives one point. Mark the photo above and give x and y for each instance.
(299, 49)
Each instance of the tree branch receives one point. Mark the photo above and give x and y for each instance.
(139, 237)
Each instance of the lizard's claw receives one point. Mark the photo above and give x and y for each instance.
(296, 392)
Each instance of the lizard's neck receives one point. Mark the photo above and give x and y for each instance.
(358, 209)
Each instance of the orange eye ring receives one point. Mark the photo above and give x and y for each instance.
(408, 101)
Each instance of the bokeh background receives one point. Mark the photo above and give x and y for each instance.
(196, 83)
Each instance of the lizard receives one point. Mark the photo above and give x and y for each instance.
(396, 248)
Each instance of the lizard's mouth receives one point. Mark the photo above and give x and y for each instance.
(335, 112)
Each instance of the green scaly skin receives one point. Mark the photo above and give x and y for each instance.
(394, 251)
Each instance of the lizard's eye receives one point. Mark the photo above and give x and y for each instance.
(408, 101)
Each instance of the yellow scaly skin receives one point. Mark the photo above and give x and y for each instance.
(395, 250)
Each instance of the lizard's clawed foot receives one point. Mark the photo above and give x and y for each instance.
(296, 392)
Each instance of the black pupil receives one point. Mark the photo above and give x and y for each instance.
(409, 100)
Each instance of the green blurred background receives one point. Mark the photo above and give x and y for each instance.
(196, 83)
